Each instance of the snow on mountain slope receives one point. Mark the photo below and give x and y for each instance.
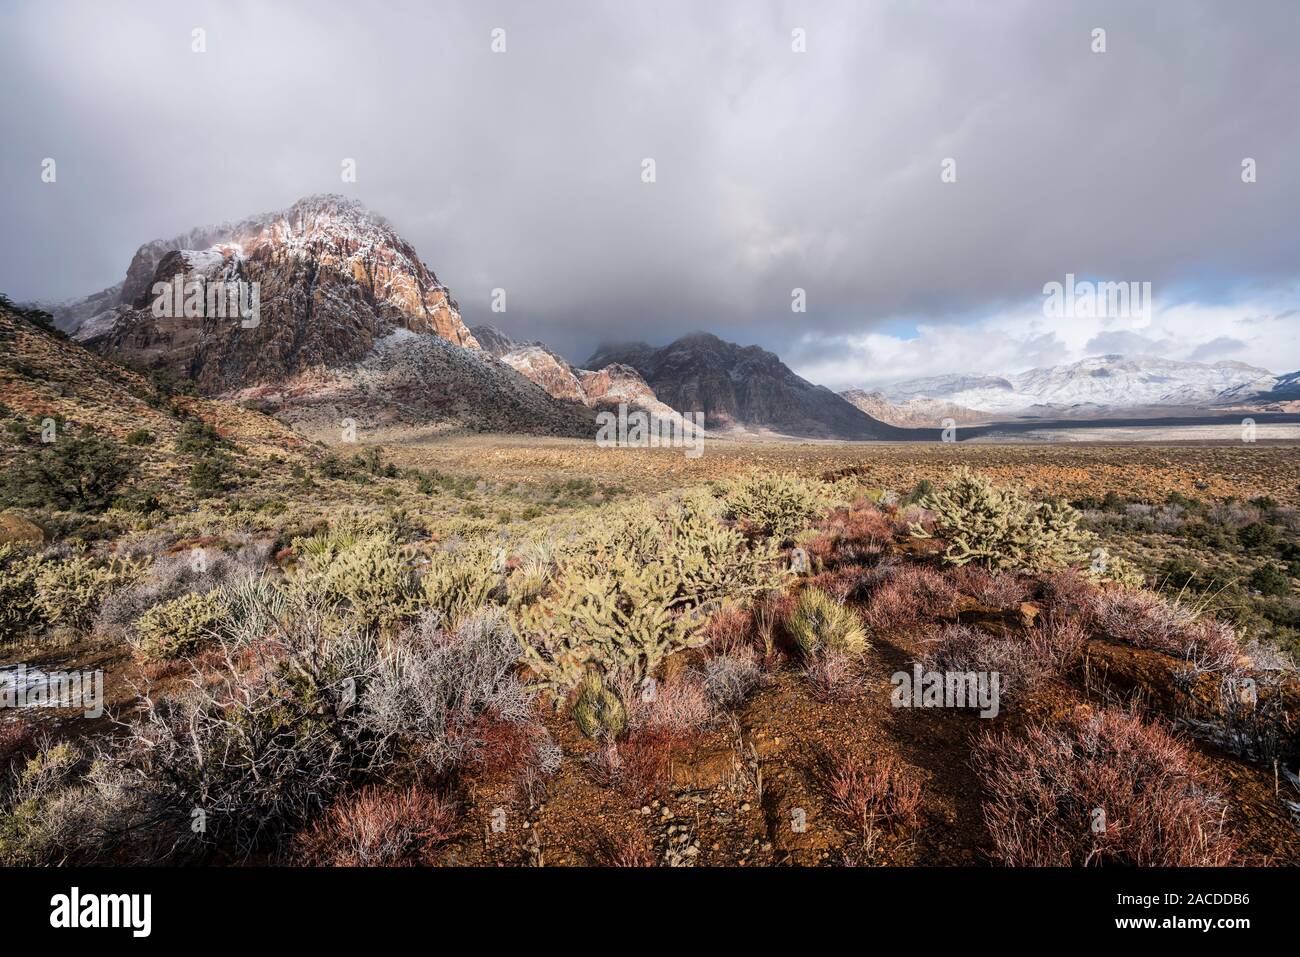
(333, 277)
(1091, 386)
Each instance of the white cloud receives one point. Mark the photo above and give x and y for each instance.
(1259, 333)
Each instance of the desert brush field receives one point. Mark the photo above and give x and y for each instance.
(494, 649)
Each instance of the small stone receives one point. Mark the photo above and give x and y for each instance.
(645, 809)
(745, 806)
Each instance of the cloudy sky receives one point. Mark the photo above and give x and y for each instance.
(775, 169)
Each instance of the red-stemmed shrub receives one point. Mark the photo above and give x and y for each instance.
(1059, 639)
(868, 795)
(17, 742)
(995, 589)
(382, 827)
(1099, 788)
(625, 849)
(1143, 619)
(521, 750)
(852, 536)
(679, 706)
(833, 675)
(1071, 593)
(1015, 658)
(638, 765)
(903, 595)
(729, 629)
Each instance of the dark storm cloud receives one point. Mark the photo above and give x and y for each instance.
(775, 169)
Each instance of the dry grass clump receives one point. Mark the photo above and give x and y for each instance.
(1144, 619)
(1099, 788)
(819, 621)
(731, 678)
(382, 827)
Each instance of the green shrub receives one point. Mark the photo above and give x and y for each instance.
(998, 529)
(177, 627)
(199, 439)
(209, 474)
(1270, 580)
(81, 474)
(139, 437)
(819, 621)
(1256, 535)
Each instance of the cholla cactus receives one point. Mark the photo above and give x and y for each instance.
(176, 627)
(459, 585)
(636, 591)
(69, 593)
(778, 506)
(19, 611)
(597, 709)
(820, 622)
(368, 575)
(998, 529)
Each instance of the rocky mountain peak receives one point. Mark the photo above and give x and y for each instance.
(333, 279)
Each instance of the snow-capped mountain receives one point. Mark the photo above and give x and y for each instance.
(349, 323)
(1096, 385)
(333, 278)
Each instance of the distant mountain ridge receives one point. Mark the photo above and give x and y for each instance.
(740, 388)
(912, 413)
(608, 387)
(1092, 386)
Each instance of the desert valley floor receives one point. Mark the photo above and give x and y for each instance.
(760, 749)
